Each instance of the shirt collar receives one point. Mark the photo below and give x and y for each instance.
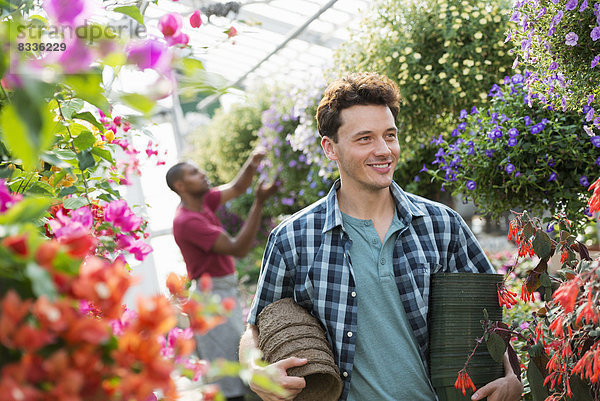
(404, 206)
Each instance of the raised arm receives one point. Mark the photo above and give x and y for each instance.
(243, 179)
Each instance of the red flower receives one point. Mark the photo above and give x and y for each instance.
(205, 283)
(463, 381)
(506, 297)
(229, 304)
(196, 19)
(594, 202)
(16, 243)
(566, 295)
(231, 32)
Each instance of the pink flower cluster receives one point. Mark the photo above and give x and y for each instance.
(7, 198)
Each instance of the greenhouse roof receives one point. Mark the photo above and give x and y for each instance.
(282, 40)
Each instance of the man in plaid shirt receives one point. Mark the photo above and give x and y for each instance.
(360, 259)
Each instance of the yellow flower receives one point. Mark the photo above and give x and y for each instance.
(404, 66)
(446, 44)
(110, 136)
(442, 60)
(478, 35)
(475, 14)
(395, 54)
(455, 64)
(388, 59)
(442, 15)
(442, 75)
(455, 13)
(478, 49)
(483, 95)
(462, 94)
(402, 82)
(497, 19)
(452, 8)
(402, 59)
(482, 21)
(422, 81)
(479, 77)
(428, 67)
(501, 69)
(466, 71)
(417, 76)
(456, 26)
(417, 56)
(407, 50)
(487, 62)
(464, 16)
(501, 53)
(468, 62)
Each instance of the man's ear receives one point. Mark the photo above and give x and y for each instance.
(329, 148)
(178, 186)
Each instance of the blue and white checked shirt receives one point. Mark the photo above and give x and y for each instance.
(307, 258)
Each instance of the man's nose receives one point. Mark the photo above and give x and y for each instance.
(382, 147)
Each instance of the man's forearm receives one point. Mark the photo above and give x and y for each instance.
(248, 345)
(243, 179)
(245, 238)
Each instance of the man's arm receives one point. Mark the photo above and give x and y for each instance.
(240, 245)
(276, 372)
(243, 179)
(507, 388)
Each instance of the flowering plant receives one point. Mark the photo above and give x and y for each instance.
(562, 338)
(558, 41)
(512, 155)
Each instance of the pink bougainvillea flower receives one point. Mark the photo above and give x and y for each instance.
(7, 199)
(118, 213)
(69, 12)
(139, 249)
(77, 57)
(231, 32)
(151, 54)
(196, 19)
(78, 223)
(170, 25)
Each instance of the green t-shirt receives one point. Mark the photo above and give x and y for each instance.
(387, 365)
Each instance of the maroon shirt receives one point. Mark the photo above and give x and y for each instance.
(195, 233)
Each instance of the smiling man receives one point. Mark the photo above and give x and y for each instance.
(360, 259)
(208, 249)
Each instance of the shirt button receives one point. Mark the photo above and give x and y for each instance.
(374, 241)
(382, 261)
(353, 294)
(367, 223)
(345, 374)
(349, 334)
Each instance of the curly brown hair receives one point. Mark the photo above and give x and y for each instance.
(362, 88)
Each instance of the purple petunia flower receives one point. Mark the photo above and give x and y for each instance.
(590, 114)
(527, 120)
(549, 227)
(571, 39)
(553, 177)
(509, 168)
(512, 141)
(490, 152)
(595, 34)
(583, 6)
(517, 79)
(551, 162)
(553, 66)
(471, 185)
(424, 169)
(598, 161)
(535, 129)
(583, 180)
(463, 113)
(513, 132)
(474, 110)
(595, 141)
(571, 5)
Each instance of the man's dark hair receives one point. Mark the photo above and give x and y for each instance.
(175, 174)
(364, 88)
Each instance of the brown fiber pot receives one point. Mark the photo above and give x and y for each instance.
(285, 329)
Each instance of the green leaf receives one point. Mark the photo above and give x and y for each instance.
(138, 102)
(542, 245)
(131, 11)
(86, 160)
(496, 347)
(581, 391)
(65, 154)
(71, 107)
(75, 202)
(103, 153)
(545, 280)
(27, 210)
(527, 231)
(84, 140)
(41, 188)
(50, 157)
(41, 282)
(67, 191)
(536, 382)
(88, 87)
(89, 117)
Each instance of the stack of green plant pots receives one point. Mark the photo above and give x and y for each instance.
(456, 309)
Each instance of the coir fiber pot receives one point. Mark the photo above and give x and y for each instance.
(285, 329)
(456, 305)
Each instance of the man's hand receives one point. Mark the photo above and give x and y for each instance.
(264, 191)
(277, 373)
(507, 388)
(256, 157)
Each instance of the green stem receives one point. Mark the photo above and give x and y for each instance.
(5, 94)
(85, 183)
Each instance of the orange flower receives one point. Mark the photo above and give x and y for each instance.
(463, 381)
(589, 311)
(176, 284)
(17, 244)
(594, 202)
(229, 304)
(205, 283)
(155, 315)
(12, 312)
(506, 297)
(566, 294)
